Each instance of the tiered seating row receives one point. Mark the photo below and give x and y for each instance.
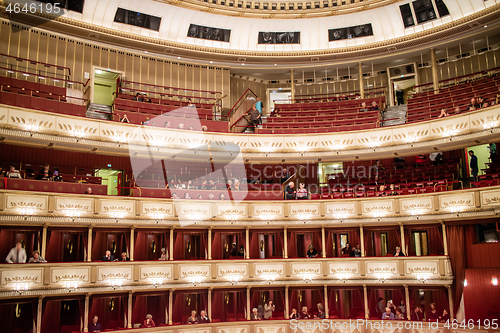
(38, 96)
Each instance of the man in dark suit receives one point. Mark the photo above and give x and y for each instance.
(255, 315)
(474, 168)
(108, 256)
(95, 326)
(417, 315)
(203, 317)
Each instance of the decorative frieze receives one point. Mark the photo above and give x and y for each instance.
(153, 208)
(226, 270)
(335, 268)
(24, 275)
(150, 272)
(341, 209)
(374, 207)
(114, 273)
(18, 202)
(60, 274)
(304, 210)
(232, 210)
(268, 212)
(490, 198)
(125, 208)
(82, 205)
(456, 202)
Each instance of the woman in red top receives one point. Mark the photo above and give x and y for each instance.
(149, 321)
(433, 314)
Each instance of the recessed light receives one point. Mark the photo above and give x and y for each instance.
(211, 62)
(178, 57)
(242, 64)
(275, 64)
(145, 51)
(486, 26)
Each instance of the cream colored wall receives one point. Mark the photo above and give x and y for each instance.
(80, 57)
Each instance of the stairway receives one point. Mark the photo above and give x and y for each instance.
(395, 112)
(100, 111)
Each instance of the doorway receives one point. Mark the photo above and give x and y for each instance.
(105, 84)
(401, 89)
(281, 95)
(109, 178)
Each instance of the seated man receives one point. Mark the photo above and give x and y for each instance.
(108, 256)
(255, 315)
(95, 326)
(123, 257)
(363, 107)
(356, 252)
(203, 317)
(36, 258)
(388, 315)
(13, 173)
(312, 253)
(17, 255)
(398, 252)
(45, 173)
(289, 191)
(347, 249)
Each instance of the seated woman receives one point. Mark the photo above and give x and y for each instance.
(36, 258)
(236, 185)
(398, 252)
(311, 252)
(186, 196)
(399, 315)
(149, 321)
(294, 314)
(124, 119)
(445, 317)
(443, 113)
(321, 313)
(302, 192)
(305, 314)
(433, 314)
(221, 196)
(193, 319)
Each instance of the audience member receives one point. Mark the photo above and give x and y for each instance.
(167, 124)
(89, 190)
(311, 252)
(234, 250)
(203, 185)
(200, 197)
(211, 185)
(256, 315)
(187, 196)
(391, 305)
(13, 173)
(36, 258)
(174, 196)
(443, 113)
(203, 317)
(137, 97)
(45, 173)
(380, 308)
(289, 191)
(436, 158)
(190, 128)
(399, 315)
(95, 326)
(356, 252)
(124, 119)
(357, 96)
(445, 317)
(190, 185)
(163, 255)
(269, 308)
(17, 255)
(433, 313)
(398, 252)
(258, 106)
(381, 191)
(302, 192)
(294, 314)
(229, 184)
(192, 319)
(149, 321)
(108, 256)
(363, 107)
(493, 152)
(2, 172)
(221, 196)
(474, 168)
(473, 105)
(388, 315)
(374, 106)
(181, 126)
(347, 249)
(123, 257)
(457, 110)
(321, 313)
(190, 103)
(146, 122)
(402, 307)
(241, 252)
(304, 314)
(146, 99)
(56, 176)
(211, 196)
(417, 314)
(254, 116)
(236, 185)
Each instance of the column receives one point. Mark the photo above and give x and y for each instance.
(129, 310)
(171, 254)
(365, 296)
(247, 244)
(292, 84)
(450, 301)
(323, 243)
(445, 240)
(132, 240)
(209, 310)
(362, 240)
(44, 241)
(39, 315)
(361, 84)
(326, 309)
(407, 301)
(287, 305)
(285, 242)
(209, 247)
(89, 244)
(86, 313)
(435, 80)
(403, 245)
(170, 297)
(249, 311)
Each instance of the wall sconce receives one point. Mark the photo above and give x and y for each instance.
(156, 143)
(27, 212)
(489, 125)
(120, 139)
(303, 218)
(269, 278)
(157, 217)
(78, 134)
(456, 209)
(267, 218)
(195, 280)
(494, 281)
(416, 213)
(21, 287)
(32, 127)
(307, 277)
(411, 140)
(378, 215)
(117, 216)
(374, 144)
(302, 150)
(337, 148)
(73, 214)
(341, 216)
(71, 285)
(423, 277)
(449, 134)
(156, 282)
(195, 218)
(382, 276)
(343, 276)
(115, 283)
(233, 278)
(266, 150)
(232, 218)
